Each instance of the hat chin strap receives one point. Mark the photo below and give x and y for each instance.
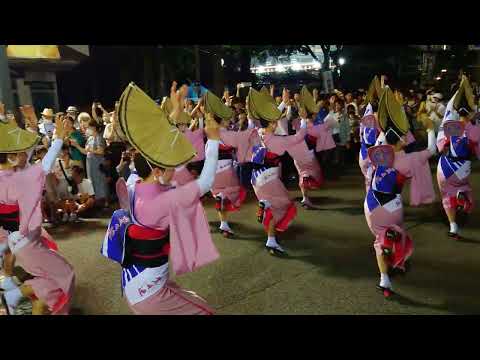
(160, 179)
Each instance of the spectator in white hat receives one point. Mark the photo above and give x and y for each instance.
(47, 126)
(73, 112)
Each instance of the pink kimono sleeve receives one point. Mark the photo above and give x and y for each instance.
(410, 138)
(29, 185)
(296, 124)
(281, 144)
(243, 141)
(229, 137)
(324, 137)
(190, 239)
(473, 132)
(196, 138)
(421, 185)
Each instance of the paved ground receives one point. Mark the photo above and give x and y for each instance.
(331, 268)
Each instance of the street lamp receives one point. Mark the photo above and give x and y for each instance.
(438, 78)
(444, 70)
(341, 61)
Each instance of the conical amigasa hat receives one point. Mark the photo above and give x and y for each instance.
(465, 90)
(264, 90)
(374, 90)
(147, 128)
(184, 118)
(260, 106)
(14, 139)
(307, 101)
(215, 106)
(167, 107)
(389, 108)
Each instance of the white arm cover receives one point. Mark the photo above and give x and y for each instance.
(205, 181)
(303, 124)
(289, 112)
(368, 110)
(200, 123)
(251, 123)
(381, 140)
(281, 107)
(49, 160)
(432, 144)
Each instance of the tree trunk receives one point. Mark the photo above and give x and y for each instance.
(326, 57)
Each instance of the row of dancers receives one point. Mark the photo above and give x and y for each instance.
(162, 219)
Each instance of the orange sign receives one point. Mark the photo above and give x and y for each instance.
(33, 51)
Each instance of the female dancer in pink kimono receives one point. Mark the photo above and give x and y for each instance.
(159, 224)
(317, 139)
(276, 210)
(52, 285)
(228, 192)
(458, 142)
(391, 167)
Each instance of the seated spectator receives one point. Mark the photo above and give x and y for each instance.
(56, 183)
(81, 197)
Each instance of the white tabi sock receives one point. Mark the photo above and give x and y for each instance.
(306, 200)
(454, 228)
(8, 284)
(13, 297)
(272, 242)
(224, 226)
(385, 281)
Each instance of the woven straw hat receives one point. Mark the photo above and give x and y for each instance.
(14, 139)
(307, 101)
(148, 129)
(261, 106)
(389, 109)
(215, 106)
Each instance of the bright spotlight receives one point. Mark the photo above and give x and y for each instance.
(341, 61)
(296, 67)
